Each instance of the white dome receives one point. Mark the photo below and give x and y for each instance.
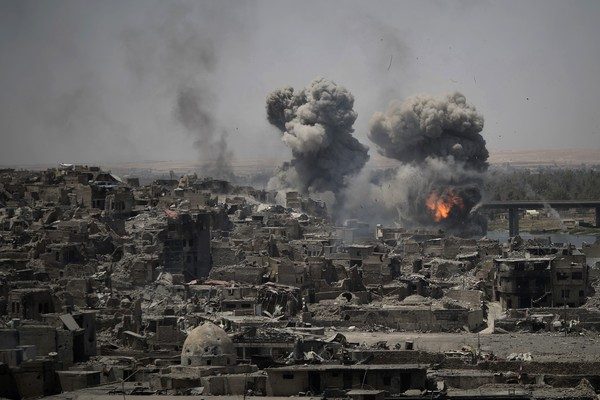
(207, 344)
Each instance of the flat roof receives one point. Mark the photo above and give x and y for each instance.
(364, 392)
(532, 259)
(357, 367)
(29, 290)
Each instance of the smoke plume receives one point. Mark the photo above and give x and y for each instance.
(193, 113)
(431, 126)
(178, 57)
(316, 124)
(443, 158)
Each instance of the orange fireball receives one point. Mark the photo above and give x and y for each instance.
(440, 206)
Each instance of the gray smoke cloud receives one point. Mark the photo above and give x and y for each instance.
(317, 125)
(443, 157)
(431, 126)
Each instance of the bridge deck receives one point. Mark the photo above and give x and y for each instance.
(542, 204)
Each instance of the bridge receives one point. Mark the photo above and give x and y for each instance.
(514, 206)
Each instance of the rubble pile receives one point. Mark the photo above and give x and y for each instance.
(198, 286)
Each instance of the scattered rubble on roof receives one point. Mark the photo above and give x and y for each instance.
(199, 286)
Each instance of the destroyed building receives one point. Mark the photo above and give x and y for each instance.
(198, 286)
(546, 280)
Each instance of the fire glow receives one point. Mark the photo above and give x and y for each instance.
(440, 205)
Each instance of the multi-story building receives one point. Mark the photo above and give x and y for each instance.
(547, 280)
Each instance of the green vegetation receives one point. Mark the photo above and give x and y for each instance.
(543, 184)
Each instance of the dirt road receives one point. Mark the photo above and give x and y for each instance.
(543, 346)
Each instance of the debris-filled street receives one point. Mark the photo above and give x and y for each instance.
(193, 285)
(316, 199)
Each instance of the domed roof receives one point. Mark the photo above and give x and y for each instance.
(415, 299)
(207, 339)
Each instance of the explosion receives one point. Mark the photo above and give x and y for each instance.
(442, 162)
(316, 123)
(441, 205)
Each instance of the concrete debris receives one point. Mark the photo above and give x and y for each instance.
(519, 357)
(198, 286)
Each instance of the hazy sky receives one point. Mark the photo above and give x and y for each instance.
(97, 81)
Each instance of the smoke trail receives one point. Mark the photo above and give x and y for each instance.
(178, 57)
(316, 124)
(437, 139)
(195, 115)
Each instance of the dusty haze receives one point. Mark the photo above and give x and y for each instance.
(89, 81)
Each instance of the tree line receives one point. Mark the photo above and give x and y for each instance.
(543, 183)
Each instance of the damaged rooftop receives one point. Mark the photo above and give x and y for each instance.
(192, 286)
(348, 199)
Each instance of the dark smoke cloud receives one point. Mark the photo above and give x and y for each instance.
(191, 112)
(316, 123)
(431, 126)
(438, 142)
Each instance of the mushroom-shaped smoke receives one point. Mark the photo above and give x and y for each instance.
(431, 126)
(316, 124)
